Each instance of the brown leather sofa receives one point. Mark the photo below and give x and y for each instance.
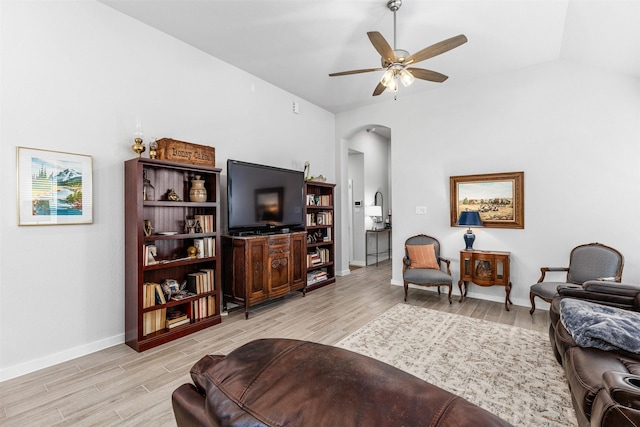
(282, 382)
(604, 385)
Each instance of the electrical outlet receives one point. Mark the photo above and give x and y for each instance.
(421, 210)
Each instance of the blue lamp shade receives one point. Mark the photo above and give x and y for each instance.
(469, 219)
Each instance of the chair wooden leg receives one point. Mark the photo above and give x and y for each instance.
(438, 290)
(406, 289)
(533, 303)
(450, 289)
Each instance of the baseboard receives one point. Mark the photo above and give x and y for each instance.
(63, 356)
(343, 272)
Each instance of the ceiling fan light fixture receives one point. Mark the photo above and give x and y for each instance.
(406, 77)
(389, 78)
(392, 85)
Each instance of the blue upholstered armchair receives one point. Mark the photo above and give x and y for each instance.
(423, 266)
(593, 261)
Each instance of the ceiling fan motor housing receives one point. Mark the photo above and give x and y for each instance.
(400, 54)
(394, 5)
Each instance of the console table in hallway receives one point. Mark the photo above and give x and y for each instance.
(377, 252)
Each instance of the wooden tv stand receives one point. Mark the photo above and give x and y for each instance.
(261, 268)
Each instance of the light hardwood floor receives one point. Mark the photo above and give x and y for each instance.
(118, 386)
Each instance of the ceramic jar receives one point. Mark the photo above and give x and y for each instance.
(197, 193)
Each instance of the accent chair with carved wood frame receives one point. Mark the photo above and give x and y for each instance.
(592, 261)
(434, 276)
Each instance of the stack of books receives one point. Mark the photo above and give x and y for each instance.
(316, 276)
(317, 257)
(175, 319)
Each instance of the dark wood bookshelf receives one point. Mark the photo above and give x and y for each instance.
(319, 201)
(173, 262)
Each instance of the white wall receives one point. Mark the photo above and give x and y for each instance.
(574, 131)
(74, 76)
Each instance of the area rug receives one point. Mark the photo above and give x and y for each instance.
(504, 369)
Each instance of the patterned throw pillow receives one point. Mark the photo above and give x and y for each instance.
(423, 256)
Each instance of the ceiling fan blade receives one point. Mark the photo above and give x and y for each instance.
(436, 49)
(432, 76)
(379, 89)
(346, 73)
(382, 46)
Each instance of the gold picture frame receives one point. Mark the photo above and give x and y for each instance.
(54, 188)
(498, 198)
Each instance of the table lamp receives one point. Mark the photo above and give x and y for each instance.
(374, 212)
(469, 219)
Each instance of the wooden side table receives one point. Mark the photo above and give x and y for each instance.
(485, 268)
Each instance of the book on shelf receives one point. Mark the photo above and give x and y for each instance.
(201, 281)
(176, 324)
(319, 200)
(316, 276)
(203, 307)
(311, 219)
(199, 245)
(160, 299)
(154, 321)
(206, 247)
(206, 223)
(324, 218)
(176, 319)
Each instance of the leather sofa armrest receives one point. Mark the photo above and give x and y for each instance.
(618, 402)
(620, 295)
(623, 387)
(616, 288)
(189, 407)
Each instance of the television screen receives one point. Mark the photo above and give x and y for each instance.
(263, 197)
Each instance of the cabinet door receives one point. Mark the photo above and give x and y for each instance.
(465, 266)
(279, 275)
(502, 270)
(483, 269)
(298, 261)
(256, 270)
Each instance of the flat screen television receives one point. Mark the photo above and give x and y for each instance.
(263, 198)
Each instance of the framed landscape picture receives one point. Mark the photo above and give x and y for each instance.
(498, 198)
(54, 188)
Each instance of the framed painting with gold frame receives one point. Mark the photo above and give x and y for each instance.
(54, 188)
(498, 198)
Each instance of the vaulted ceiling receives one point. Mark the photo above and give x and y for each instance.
(295, 44)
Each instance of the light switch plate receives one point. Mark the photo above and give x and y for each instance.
(421, 210)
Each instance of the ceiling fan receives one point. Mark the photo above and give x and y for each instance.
(397, 63)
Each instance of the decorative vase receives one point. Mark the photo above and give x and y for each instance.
(197, 193)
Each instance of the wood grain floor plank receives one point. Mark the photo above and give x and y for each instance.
(120, 387)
